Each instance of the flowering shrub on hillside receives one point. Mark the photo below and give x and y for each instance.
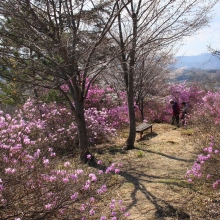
(156, 111)
(36, 184)
(206, 165)
(206, 117)
(105, 112)
(190, 94)
(159, 108)
(209, 108)
(58, 123)
(102, 98)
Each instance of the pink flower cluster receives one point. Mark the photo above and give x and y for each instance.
(209, 107)
(34, 175)
(206, 163)
(57, 125)
(159, 109)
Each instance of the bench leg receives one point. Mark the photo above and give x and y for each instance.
(141, 133)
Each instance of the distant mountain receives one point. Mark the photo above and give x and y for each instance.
(204, 61)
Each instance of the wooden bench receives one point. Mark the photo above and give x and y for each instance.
(143, 127)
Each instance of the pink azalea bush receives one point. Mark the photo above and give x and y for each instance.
(36, 184)
(105, 112)
(206, 117)
(189, 93)
(206, 165)
(209, 108)
(192, 94)
(109, 102)
(158, 109)
(102, 97)
(59, 124)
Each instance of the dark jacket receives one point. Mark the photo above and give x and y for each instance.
(176, 108)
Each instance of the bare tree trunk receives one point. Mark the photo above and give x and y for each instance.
(132, 122)
(130, 90)
(142, 109)
(82, 131)
(79, 114)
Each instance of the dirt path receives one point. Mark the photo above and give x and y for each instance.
(154, 186)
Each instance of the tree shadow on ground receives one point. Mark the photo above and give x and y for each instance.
(162, 207)
(111, 149)
(115, 150)
(147, 136)
(165, 155)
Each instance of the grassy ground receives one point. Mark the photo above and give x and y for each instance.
(151, 182)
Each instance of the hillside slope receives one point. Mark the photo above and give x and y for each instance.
(152, 178)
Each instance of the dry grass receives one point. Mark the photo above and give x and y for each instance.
(152, 182)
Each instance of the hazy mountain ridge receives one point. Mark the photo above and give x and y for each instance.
(203, 61)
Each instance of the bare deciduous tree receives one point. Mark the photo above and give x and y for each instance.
(150, 26)
(152, 71)
(52, 43)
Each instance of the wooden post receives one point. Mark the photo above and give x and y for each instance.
(141, 133)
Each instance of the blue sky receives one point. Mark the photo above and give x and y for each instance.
(210, 35)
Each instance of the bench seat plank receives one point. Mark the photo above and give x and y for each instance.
(143, 127)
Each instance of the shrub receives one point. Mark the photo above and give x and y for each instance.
(59, 126)
(159, 110)
(36, 184)
(206, 165)
(206, 119)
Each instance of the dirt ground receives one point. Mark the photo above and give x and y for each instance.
(153, 184)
